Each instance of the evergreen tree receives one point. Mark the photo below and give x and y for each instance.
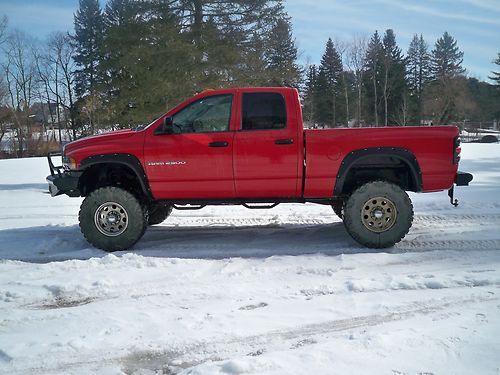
(309, 94)
(122, 32)
(253, 71)
(446, 58)
(484, 98)
(281, 55)
(328, 86)
(374, 74)
(147, 63)
(247, 15)
(393, 80)
(87, 41)
(496, 75)
(418, 71)
(448, 91)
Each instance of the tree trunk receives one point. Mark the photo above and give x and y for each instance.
(360, 86)
(333, 113)
(375, 104)
(386, 78)
(197, 21)
(346, 100)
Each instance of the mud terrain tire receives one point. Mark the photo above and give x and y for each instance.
(112, 219)
(378, 214)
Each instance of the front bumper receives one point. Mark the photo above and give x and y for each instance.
(62, 181)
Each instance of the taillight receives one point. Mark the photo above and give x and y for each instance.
(456, 150)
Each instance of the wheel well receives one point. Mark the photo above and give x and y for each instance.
(110, 174)
(391, 168)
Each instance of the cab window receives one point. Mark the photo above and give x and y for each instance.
(210, 114)
(263, 111)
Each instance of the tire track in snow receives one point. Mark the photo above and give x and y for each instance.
(414, 245)
(190, 355)
(429, 220)
(288, 338)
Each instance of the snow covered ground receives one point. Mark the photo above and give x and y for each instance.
(234, 291)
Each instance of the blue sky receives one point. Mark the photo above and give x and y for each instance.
(474, 23)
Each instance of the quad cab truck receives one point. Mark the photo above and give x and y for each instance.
(247, 146)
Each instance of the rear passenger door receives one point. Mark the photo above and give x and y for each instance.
(266, 148)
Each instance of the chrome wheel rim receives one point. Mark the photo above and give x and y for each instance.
(378, 214)
(111, 219)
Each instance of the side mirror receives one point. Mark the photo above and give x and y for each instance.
(167, 127)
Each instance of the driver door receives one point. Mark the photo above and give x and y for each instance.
(196, 161)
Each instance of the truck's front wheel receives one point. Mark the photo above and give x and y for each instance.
(112, 219)
(378, 214)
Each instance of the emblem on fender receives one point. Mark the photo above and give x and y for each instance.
(163, 163)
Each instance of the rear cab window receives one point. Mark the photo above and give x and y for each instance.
(263, 111)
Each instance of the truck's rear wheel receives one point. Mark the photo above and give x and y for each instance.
(378, 214)
(112, 219)
(158, 213)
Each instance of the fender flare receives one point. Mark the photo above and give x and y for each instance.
(356, 156)
(128, 160)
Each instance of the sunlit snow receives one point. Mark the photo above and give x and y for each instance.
(227, 290)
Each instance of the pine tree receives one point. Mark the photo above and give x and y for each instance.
(309, 94)
(121, 34)
(253, 71)
(418, 71)
(496, 75)
(148, 64)
(247, 15)
(328, 85)
(281, 55)
(374, 74)
(87, 41)
(393, 79)
(446, 58)
(444, 95)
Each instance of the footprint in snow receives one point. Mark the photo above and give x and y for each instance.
(253, 307)
(256, 353)
(481, 318)
(4, 357)
(303, 342)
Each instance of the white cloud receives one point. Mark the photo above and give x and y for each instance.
(491, 5)
(439, 13)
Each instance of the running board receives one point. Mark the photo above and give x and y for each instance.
(259, 207)
(189, 207)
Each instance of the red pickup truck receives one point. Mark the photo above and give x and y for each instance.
(247, 146)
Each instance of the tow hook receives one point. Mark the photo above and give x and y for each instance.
(451, 192)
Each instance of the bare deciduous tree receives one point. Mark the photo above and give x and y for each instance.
(20, 70)
(356, 61)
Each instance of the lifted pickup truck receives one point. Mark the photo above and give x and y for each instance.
(247, 146)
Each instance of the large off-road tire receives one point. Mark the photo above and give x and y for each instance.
(158, 213)
(338, 208)
(378, 214)
(112, 219)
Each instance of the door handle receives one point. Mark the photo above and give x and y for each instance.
(287, 141)
(218, 144)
